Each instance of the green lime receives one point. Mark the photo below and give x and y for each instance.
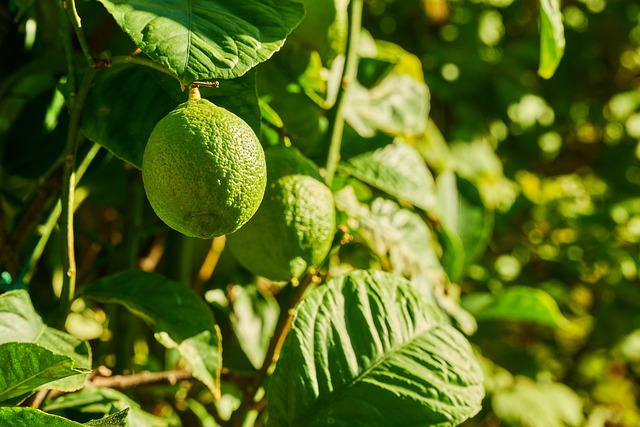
(294, 227)
(203, 170)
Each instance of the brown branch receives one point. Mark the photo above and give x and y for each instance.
(124, 382)
(38, 398)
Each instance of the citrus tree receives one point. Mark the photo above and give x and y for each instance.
(244, 213)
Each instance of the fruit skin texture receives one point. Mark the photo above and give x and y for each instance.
(294, 227)
(203, 170)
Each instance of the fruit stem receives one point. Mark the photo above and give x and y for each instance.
(335, 116)
(194, 92)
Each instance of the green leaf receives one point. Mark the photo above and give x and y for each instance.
(396, 234)
(203, 40)
(398, 105)
(466, 223)
(253, 319)
(538, 404)
(390, 94)
(126, 103)
(370, 349)
(101, 400)
(552, 42)
(305, 120)
(22, 417)
(477, 162)
(25, 367)
(119, 419)
(519, 303)
(324, 27)
(19, 322)
(179, 317)
(398, 170)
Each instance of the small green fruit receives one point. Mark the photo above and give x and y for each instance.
(294, 227)
(203, 170)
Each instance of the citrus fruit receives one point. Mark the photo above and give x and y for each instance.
(203, 170)
(294, 227)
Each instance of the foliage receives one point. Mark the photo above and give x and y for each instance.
(484, 267)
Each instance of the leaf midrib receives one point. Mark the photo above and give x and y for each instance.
(3, 394)
(387, 355)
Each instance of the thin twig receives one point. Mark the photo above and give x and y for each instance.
(45, 229)
(124, 382)
(70, 7)
(38, 398)
(349, 72)
(67, 193)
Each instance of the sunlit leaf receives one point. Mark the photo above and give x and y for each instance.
(369, 349)
(552, 40)
(397, 169)
(19, 322)
(394, 233)
(180, 318)
(25, 367)
(17, 416)
(399, 105)
(202, 40)
(519, 303)
(537, 404)
(390, 94)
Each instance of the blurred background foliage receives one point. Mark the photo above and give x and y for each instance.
(556, 163)
(570, 224)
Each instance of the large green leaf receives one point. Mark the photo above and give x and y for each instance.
(520, 303)
(396, 234)
(369, 349)
(20, 323)
(22, 417)
(25, 367)
(207, 39)
(180, 318)
(552, 40)
(127, 102)
(397, 169)
(101, 400)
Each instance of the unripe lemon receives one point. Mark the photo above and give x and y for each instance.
(203, 170)
(294, 227)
